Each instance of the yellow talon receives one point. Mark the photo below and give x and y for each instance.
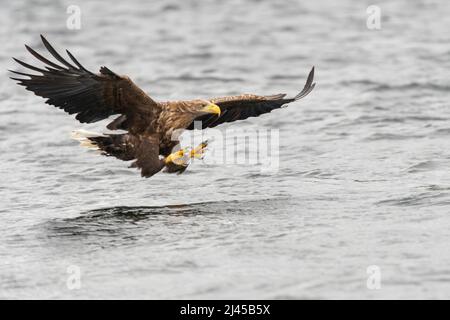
(175, 157)
(199, 151)
(181, 157)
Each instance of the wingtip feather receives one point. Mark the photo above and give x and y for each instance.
(309, 86)
(55, 53)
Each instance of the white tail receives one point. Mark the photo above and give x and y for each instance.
(83, 137)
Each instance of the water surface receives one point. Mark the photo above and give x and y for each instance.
(364, 160)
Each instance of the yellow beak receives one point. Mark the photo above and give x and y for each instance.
(212, 108)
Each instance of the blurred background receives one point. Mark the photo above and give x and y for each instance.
(358, 209)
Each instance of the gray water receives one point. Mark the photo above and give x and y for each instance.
(364, 159)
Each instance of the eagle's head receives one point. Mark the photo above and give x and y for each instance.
(205, 106)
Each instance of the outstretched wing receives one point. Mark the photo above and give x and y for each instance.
(92, 97)
(249, 105)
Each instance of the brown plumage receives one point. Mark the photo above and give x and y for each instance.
(150, 125)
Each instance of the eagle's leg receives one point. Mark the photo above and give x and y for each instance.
(178, 161)
(199, 151)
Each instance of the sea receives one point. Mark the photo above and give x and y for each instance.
(357, 205)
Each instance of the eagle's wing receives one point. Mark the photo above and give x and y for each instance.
(249, 105)
(92, 97)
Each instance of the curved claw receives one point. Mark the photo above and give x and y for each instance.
(199, 151)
